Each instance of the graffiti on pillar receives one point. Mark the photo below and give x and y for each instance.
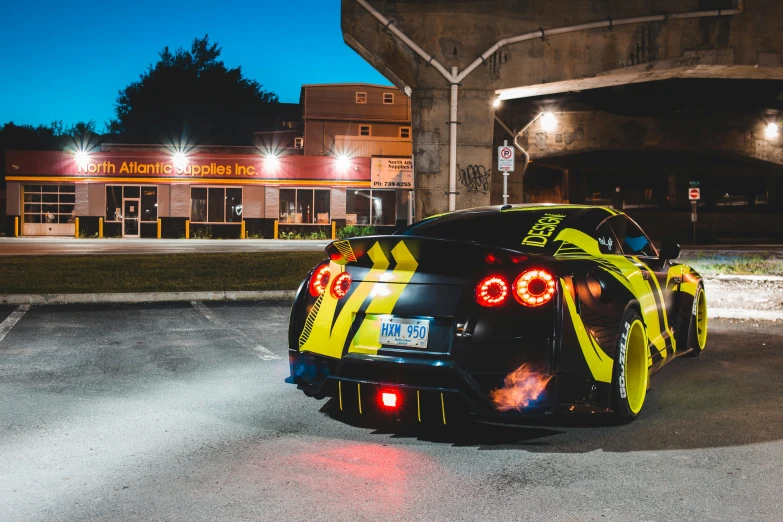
(475, 178)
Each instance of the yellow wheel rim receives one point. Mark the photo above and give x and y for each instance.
(701, 320)
(636, 366)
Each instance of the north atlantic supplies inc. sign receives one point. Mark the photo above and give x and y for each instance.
(166, 168)
(392, 173)
(234, 168)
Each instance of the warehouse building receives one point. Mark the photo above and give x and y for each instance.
(356, 170)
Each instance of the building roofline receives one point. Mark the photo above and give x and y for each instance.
(359, 84)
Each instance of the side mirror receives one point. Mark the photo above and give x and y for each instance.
(669, 250)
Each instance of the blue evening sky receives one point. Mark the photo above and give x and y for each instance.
(67, 60)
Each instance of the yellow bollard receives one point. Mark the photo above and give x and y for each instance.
(243, 232)
(187, 229)
(158, 228)
(275, 236)
(76, 228)
(16, 226)
(334, 230)
(100, 228)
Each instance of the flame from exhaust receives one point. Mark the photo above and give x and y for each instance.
(521, 387)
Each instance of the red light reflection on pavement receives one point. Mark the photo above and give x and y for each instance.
(367, 479)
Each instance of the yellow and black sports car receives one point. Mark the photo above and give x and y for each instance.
(498, 312)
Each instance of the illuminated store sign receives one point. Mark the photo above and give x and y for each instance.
(161, 168)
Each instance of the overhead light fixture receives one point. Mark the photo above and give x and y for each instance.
(343, 162)
(271, 161)
(548, 121)
(180, 160)
(496, 102)
(82, 159)
(772, 131)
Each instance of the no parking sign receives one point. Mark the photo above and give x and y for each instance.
(506, 158)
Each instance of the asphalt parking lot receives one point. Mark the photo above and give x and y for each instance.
(181, 412)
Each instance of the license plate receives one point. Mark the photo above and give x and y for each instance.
(404, 332)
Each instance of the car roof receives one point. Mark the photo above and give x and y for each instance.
(572, 210)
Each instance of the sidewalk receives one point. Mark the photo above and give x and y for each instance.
(38, 246)
(21, 246)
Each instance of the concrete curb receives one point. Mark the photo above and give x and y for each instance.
(750, 315)
(760, 278)
(148, 297)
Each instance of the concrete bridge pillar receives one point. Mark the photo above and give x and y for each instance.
(431, 115)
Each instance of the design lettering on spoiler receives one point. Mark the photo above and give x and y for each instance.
(542, 230)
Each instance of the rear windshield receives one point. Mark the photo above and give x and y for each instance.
(531, 231)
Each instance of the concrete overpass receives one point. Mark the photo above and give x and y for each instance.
(691, 85)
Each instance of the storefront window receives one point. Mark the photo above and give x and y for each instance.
(305, 206)
(371, 207)
(322, 205)
(49, 203)
(113, 203)
(198, 205)
(215, 205)
(233, 205)
(357, 207)
(287, 206)
(147, 201)
(384, 207)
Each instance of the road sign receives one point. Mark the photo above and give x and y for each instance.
(506, 158)
(694, 194)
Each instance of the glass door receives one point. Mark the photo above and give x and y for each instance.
(130, 217)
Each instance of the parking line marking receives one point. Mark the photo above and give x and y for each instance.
(241, 338)
(12, 319)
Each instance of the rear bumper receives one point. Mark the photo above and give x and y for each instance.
(429, 390)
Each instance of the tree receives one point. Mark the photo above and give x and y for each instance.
(55, 136)
(191, 96)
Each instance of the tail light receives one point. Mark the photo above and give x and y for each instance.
(534, 287)
(341, 285)
(319, 281)
(492, 291)
(389, 400)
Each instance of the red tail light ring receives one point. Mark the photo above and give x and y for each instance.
(319, 281)
(492, 291)
(341, 285)
(534, 287)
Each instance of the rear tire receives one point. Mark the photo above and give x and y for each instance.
(630, 374)
(697, 331)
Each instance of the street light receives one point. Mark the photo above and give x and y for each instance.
(772, 131)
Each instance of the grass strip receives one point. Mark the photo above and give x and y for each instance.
(739, 264)
(232, 272)
(155, 273)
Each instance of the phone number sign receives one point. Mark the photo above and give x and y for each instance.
(392, 173)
